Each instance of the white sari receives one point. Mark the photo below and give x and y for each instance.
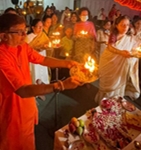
(119, 75)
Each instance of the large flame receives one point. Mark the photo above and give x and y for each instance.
(90, 64)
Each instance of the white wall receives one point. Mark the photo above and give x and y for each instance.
(60, 4)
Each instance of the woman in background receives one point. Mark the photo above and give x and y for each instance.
(103, 37)
(38, 71)
(118, 71)
(84, 44)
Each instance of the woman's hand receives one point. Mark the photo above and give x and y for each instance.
(71, 83)
(125, 53)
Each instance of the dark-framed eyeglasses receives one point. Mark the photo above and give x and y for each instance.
(19, 32)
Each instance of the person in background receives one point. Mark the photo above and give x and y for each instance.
(37, 71)
(46, 24)
(101, 17)
(84, 43)
(73, 20)
(118, 71)
(53, 8)
(65, 18)
(10, 10)
(136, 31)
(103, 37)
(117, 14)
(18, 110)
(67, 43)
(54, 25)
(47, 13)
(112, 13)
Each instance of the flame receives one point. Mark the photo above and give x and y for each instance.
(90, 64)
(67, 54)
(61, 26)
(56, 41)
(69, 14)
(138, 49)
(84, 32)
(56, 33)
(49, 44)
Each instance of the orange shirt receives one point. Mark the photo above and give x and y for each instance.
(17, 115)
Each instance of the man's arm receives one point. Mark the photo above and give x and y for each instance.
(42, 89)
(53, 62)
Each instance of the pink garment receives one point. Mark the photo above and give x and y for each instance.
(17, 115)
(86, 26)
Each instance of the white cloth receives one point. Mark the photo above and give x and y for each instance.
(118, 75)
(38, 71)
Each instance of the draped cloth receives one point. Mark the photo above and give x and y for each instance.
(118, 75)
(38, 71)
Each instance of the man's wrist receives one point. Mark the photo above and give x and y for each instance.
(58, 86)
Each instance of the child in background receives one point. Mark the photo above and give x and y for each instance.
(67, 43)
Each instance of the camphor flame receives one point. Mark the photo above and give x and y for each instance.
(67, 54)
(138, 49)
(90, 64)
(49, 44)
(84, 32)
(56, 41)
(56, 33)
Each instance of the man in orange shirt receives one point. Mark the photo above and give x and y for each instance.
(18, 111)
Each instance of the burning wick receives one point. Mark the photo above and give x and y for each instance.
(90, 64)
(50, 44)
(84, 32)
(56, 42)
(67, 54)
(56, 33)
(61, 26)
(138, 49)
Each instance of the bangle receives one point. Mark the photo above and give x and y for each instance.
(62, 85)
(59, 86)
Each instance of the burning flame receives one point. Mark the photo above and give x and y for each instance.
(50, 44)
(56, 41)
(84, 32)
(138, 49)
(61, 26)
(56, 33)
(90, 64)
(67, 54)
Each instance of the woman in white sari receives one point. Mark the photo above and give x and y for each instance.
(37, 40)
(118, 71)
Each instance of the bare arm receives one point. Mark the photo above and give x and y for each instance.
(124, 53)
(35, 90)
(53, 62)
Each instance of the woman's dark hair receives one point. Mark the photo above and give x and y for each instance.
(114, 32)
(45, 18)
(9, 9)
(34, 22)
(84, 9)
(105, 22)
(74, 13)
(9, 20)
(135, 21)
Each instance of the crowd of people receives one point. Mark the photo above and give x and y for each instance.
(26, 59)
